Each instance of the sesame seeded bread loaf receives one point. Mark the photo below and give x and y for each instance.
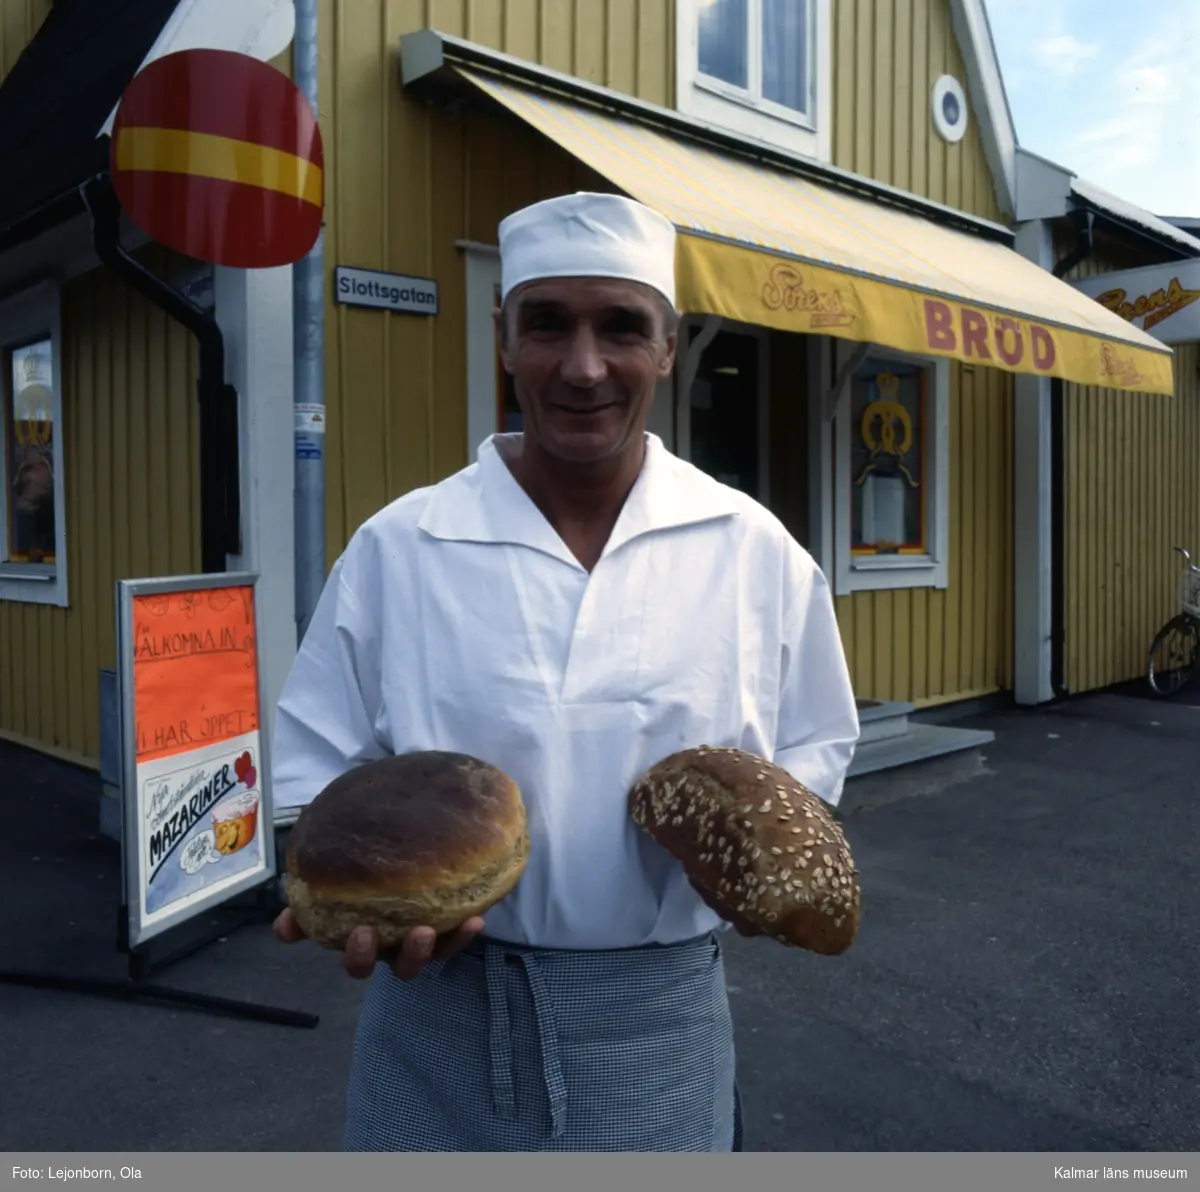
(425, 839)
(762, 850)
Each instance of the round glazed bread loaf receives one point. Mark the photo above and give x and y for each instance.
(425, 839)
(762, 849)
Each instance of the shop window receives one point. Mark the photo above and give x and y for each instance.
(33, 526)
(758, 67)
(891, 474)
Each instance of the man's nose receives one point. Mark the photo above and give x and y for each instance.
(583, 366)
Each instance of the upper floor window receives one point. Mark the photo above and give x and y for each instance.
(759, 48)
(758, 67)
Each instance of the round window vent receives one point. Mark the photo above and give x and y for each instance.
(949, 108)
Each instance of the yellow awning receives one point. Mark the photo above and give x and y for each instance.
(762, 246)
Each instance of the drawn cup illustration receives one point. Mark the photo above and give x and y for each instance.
(234, 822)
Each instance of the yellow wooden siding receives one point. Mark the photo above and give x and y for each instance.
(19, 21)
(927, 646)
(407, 180)
(887, 54)
(130, 477)
(922, 645)
(1129, 488)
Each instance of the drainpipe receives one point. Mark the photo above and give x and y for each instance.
(1083, 222)
(308, 323)
(220, 496)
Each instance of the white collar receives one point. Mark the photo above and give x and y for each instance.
(484, 503)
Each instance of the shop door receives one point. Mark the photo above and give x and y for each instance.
(722, 424)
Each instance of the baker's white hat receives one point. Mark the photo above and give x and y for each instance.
(588, 235)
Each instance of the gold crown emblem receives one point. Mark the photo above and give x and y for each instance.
(33, 368)
(889, 384)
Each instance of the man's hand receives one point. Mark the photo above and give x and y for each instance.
(420, 946)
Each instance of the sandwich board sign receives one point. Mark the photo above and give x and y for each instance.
(198, 816)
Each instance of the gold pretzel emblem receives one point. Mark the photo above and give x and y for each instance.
(886, 453)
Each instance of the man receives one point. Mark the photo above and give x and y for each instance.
(573, 607)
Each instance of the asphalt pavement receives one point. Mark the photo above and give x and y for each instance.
(1025, 976)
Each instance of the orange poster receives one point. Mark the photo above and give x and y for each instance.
(195, 670)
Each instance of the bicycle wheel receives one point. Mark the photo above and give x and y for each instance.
(1173, 655)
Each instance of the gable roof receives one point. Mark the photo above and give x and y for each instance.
(57, 97)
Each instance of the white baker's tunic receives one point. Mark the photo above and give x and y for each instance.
(457, 619)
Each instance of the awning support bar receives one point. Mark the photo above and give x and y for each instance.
(834, 396)
(689, 366)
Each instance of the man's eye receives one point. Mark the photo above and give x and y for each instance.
(545, 323)
(625, 326)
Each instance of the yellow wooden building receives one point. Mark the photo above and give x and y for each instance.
(862, 319)
(1117, 473)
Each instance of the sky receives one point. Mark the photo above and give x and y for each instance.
(1109, 89)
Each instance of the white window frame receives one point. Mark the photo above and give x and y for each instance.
(864, 573)
(741, 110)
(482, 264)
(683, 411)
(36, 311)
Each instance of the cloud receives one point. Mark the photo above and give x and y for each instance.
(1147, 109)
(1063, 54)
(1110, 90)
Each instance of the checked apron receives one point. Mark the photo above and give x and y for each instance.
(510, 1048)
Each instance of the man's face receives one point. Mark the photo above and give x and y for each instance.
(585, 355)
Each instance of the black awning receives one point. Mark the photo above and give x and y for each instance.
(56, 97)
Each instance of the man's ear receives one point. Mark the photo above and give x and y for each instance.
(667, 363)
(498, 320)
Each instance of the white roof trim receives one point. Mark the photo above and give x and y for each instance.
(1130, 213)
(1046, 190)
(985, 84)
(1043, 187)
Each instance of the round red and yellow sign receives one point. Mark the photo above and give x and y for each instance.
(218, 156)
